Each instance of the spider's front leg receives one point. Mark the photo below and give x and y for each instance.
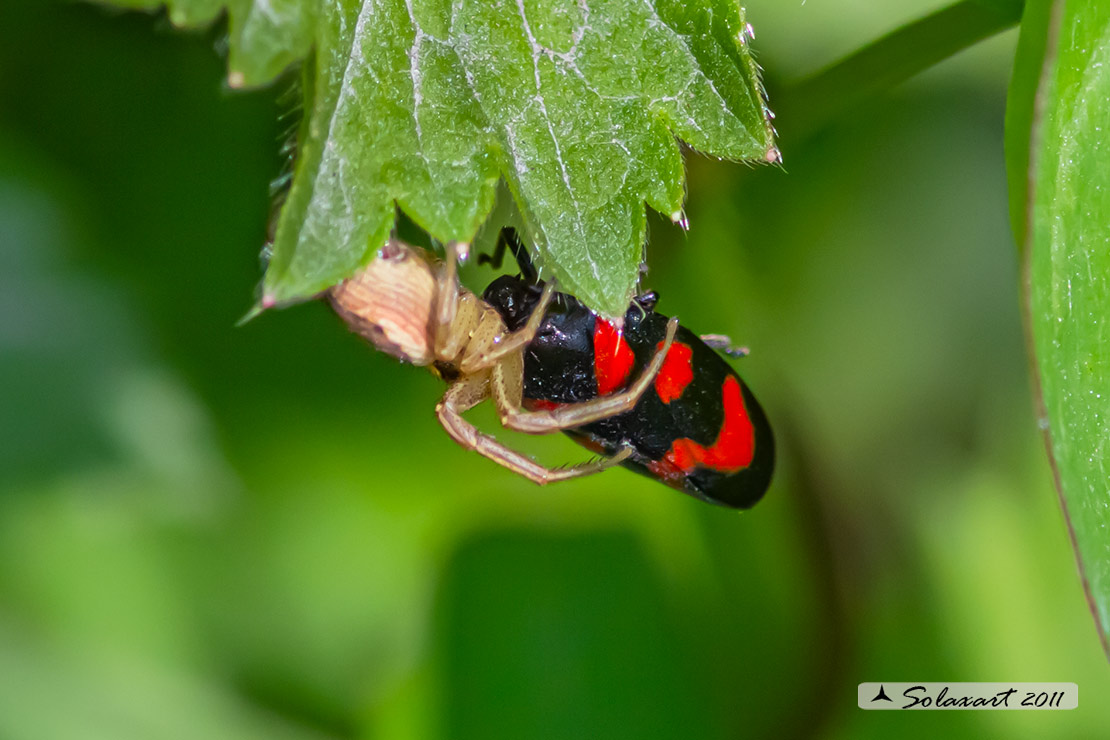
(454, 317)
(465, 327)
(472, 390)
(506, 387)
(489, 344)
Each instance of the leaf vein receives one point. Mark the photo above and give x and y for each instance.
(555, 139)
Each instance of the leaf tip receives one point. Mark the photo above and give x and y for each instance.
(773, 155)
(254, 312)
(236, 79)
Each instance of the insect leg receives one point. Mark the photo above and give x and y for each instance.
(508, 238)
(722, 343)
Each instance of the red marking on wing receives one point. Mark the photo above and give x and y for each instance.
(732, 451)
(540, 404)
(667, 473)
(613, 357)
(677, 371)
(592, 444)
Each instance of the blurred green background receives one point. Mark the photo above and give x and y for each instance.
(261, 532)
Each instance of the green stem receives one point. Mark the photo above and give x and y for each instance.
(814, 102)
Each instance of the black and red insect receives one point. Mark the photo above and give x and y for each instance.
(649, 395)
(698, 428)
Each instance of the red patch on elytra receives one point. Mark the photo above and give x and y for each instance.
(733, 450)
(666, 472)
(613, 357)
(592, 444)
(540, 404)
(677, 371)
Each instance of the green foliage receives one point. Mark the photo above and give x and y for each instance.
(1021, 101)
(220, 532)
(265, 36)
(1068, 263)
(183, 13)
(895, 58)
(426, 105)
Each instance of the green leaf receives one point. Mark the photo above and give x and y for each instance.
(1068, 268)
(426, 104)
(183, 13)
(893, 59)
(266, 36)
(1021, 101)
(587, 605)
(577, 106)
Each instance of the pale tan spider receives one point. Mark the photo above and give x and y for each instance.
(413, 307)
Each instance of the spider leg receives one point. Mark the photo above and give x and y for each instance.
(474, 389)
(486, 350)
(449, 340)
(506, 388)
(458, 312)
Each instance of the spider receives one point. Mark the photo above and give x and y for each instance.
(412, 306)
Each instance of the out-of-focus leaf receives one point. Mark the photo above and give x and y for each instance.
(183, 13)
(1021, 100)
(586, 628)
(426, 105)
(894, 58)
(119, 699)
(265, 36)
(1068, 273)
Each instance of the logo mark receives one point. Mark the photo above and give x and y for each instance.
(882, 694)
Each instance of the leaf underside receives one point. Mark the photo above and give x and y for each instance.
(1067, 250)
(427, 104)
